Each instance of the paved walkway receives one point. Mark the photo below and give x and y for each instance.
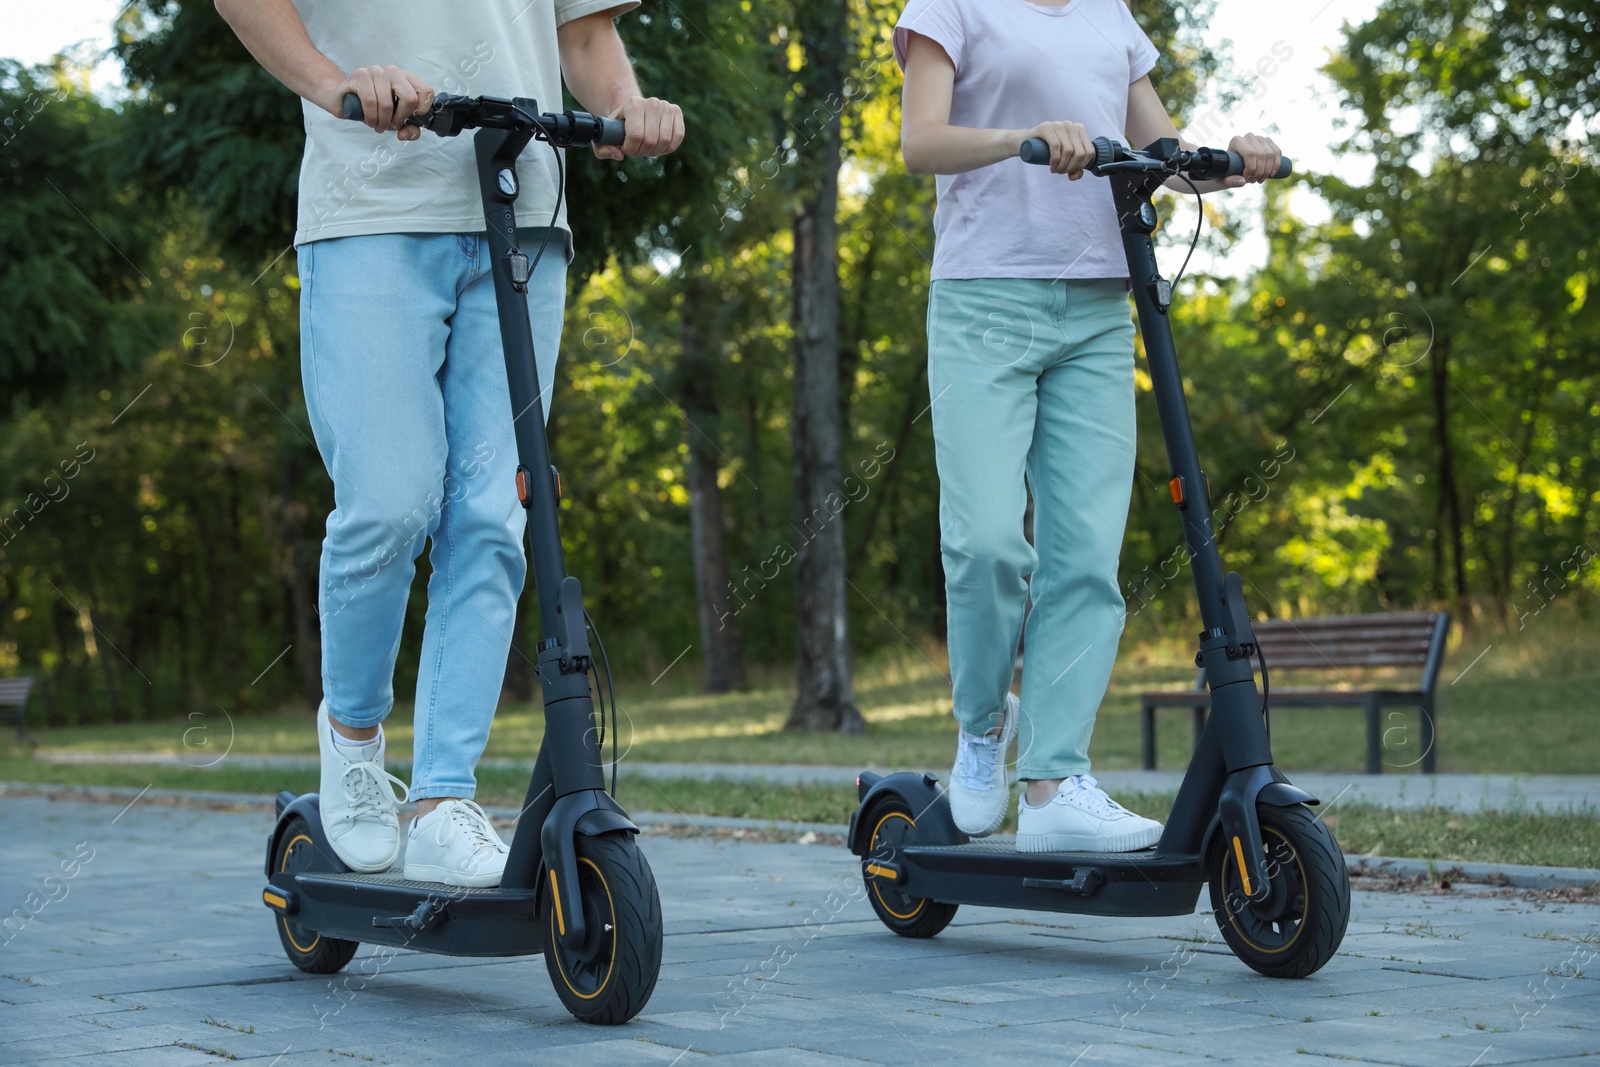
(157, 951)
(1456, 792)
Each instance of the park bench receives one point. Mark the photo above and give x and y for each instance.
(1394, 641)
(14, 696)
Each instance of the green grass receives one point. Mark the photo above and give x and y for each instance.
(1528, 706)
(1563, 840)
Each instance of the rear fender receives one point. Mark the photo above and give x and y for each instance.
(309, 807)
(930, 809)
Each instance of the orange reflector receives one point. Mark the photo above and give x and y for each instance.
(522, 485)
(1176, 485)
(1244, 874)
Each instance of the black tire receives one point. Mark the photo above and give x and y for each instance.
(1298, 926)
(610, 978)
(307, 949)
(892, 823)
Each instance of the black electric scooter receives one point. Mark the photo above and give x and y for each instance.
(576, 886)
(1279, 889)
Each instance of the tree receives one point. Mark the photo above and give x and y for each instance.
(73, 294)
(825, 699)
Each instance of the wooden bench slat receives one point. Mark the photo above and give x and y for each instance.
(15, 690)
(1272, 638)
(1328, 662)
(1334, 650)
(1398, 620)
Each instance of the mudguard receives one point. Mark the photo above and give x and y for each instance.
(921, 793)
(1241, 793)
(309, 807)
(590, 812)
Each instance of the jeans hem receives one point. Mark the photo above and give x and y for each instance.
(437, 790)
(364, 719)
(1060, 771)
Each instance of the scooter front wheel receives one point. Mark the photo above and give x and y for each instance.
(892, 825)
(1297, 926)
(308, 950)
(609, 978)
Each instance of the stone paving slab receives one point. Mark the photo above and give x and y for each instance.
(155, 951)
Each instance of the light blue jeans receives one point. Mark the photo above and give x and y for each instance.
(1032, 386)
(405, 382)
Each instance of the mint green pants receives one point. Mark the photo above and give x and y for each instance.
(1032, 386)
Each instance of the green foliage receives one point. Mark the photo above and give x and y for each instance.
(213, 128)
(1398, 410)
(73, 242)
(709, 58)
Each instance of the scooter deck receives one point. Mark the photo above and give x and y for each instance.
(397, 881)
(390, 909)
(995, 874)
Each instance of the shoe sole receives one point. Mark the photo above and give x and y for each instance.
(993, 826)
(429, 873)
(1131, 842)
(363, 868)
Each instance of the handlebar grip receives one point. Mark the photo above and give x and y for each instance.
(351, 106)
(612, 132)
(1037, 150)
(1236, 165)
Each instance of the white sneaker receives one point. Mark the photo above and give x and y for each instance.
(980, 790)
(359, 805)
(1079, 817)
(457, 845)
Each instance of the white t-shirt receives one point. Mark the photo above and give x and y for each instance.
(1017, 65)
(354, 181)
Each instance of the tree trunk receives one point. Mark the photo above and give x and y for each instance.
(719, 627)
(1449, 493)
(298, 576)
(825, 699)
(104, 650)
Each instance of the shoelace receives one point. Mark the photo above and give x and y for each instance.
(364, 784)
(976, 762)
(1086, 793)
(472, 822)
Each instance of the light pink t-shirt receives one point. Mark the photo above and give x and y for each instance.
(1017, 65)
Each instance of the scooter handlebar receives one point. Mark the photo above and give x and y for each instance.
(576, 127)
(1201, 164)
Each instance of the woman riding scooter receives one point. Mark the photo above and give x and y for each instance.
(1030, 366)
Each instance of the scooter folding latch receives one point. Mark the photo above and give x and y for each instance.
(1241, 635)
(571, 632)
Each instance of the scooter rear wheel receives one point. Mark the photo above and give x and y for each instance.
(609, 978)
(308, 950)
(1298, 925)
(892, 824)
